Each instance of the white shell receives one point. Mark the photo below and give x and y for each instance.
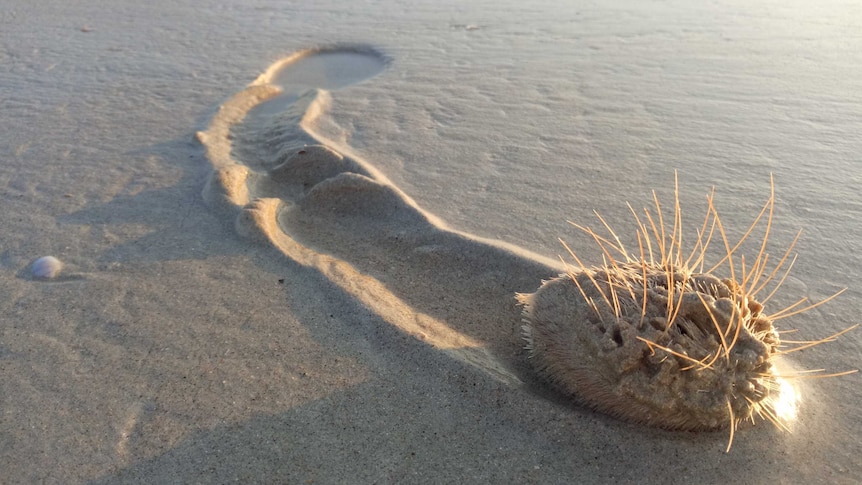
(47, 267)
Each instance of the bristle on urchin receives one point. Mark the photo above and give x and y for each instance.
(525, 300)
(657, 338)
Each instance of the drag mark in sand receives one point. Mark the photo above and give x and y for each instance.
(285, 185)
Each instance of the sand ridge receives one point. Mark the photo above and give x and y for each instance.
(285, 185)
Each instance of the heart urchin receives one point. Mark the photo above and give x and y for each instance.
(655, 338)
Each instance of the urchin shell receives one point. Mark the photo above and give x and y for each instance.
(614, 354)
(654, 338)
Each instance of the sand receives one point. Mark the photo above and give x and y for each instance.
(364, 328)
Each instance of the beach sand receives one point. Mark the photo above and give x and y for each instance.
(230, 309)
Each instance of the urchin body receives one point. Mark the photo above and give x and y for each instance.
(615, 360)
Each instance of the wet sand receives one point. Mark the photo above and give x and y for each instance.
(233, 309)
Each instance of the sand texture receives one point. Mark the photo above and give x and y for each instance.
(307, 273)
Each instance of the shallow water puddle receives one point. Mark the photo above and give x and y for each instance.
(329, 69)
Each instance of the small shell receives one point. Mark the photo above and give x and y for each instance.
(47, 267)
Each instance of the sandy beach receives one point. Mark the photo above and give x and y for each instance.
(292, 233)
